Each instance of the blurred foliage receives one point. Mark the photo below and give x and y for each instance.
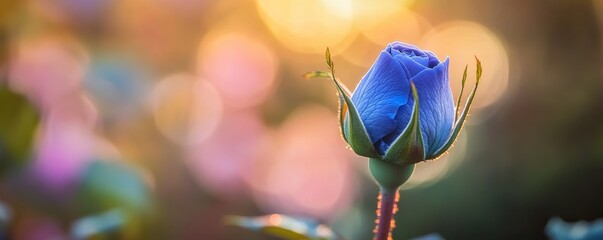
(114, 185)
(5, 217)
(105, 225)
(18, 125)
(285, 227)
(557, 229)
(118, 200)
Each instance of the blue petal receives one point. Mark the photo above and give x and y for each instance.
(414, 64)
(436, 108)
(433, 60)
(379, 95)
(409, 49)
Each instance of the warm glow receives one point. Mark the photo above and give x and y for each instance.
(462, 41)
(224, 161)
(310, 172)
(186, 109)
(190, 116)
(403, 25)
(275, 219)
(370, 14)
(241, 67)
(309, 26)
(47, 68)
(429, 172)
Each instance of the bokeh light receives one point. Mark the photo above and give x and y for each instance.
(225, 161)
(308, 26)
(462, 41)
(74, 109)
(402, 25)
(310, 173)
(163, 38)
(369, 15)
(46, 68)
(405, 25)
(186, 109)
(430, 172)
(66, 143)
(241, 67)
(118, 84)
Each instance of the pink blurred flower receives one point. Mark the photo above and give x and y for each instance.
(46, 69)
(241, 67)
(66, 143)
(49, 72)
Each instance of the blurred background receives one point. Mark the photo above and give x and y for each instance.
(155, 119)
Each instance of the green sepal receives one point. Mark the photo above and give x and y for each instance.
(343, 106)
(408, 147)
(458, 102)
(284, 227)
(461, 121)
(353, 129)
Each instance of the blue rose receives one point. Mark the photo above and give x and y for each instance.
(384, 100)
(402, 111)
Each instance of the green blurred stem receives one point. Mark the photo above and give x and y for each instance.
(390, 177)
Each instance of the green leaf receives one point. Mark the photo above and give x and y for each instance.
(18, 125)
(461, 121)
(353, 130)
(458, 102)
(283, 226)
(408, 147)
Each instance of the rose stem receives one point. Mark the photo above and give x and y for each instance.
(386, 208)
